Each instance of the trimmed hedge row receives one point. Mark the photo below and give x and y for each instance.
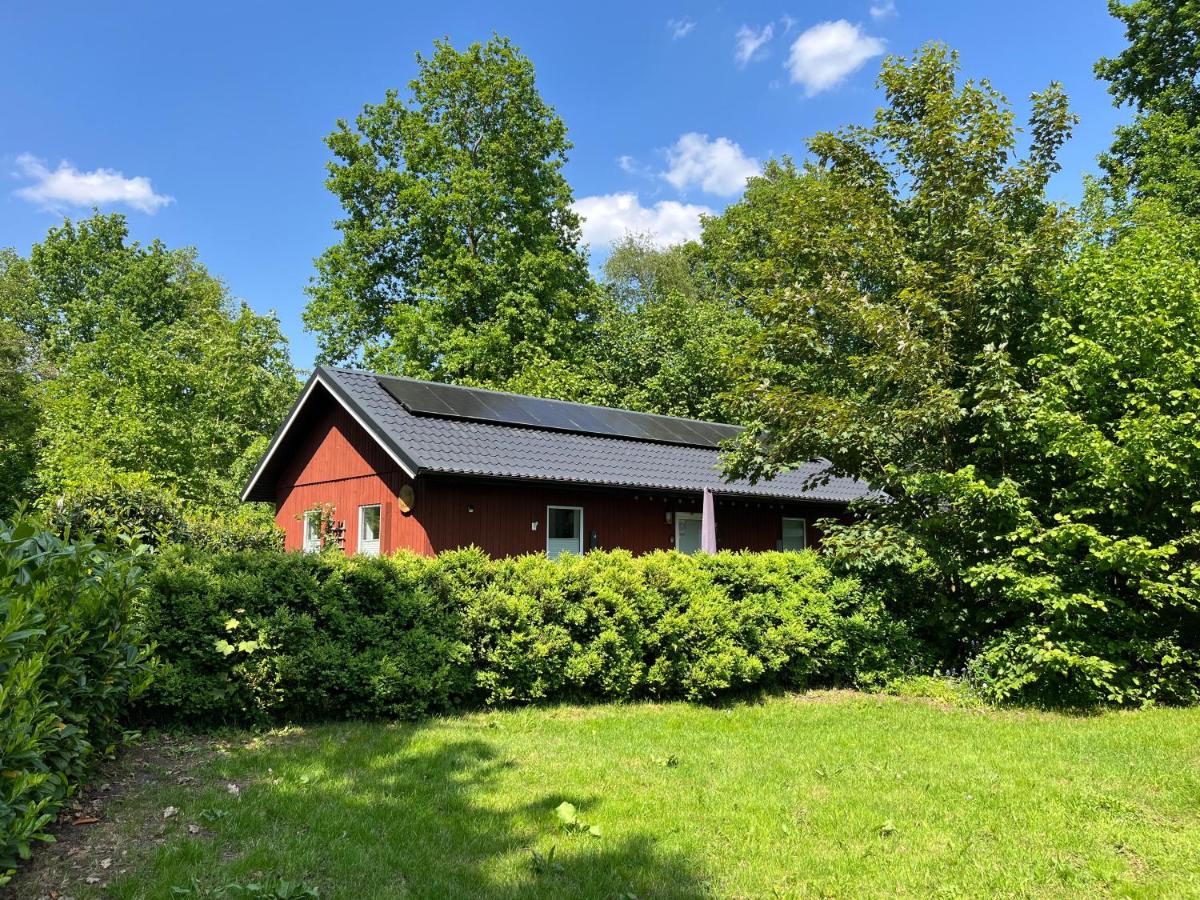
(69, 664)
(268, 636)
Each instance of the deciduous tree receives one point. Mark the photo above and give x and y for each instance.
(459, 256)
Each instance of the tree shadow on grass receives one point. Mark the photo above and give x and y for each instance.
(393, 815)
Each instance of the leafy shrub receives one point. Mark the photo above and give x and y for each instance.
(283, 636)
(69, 663)
(134, 505)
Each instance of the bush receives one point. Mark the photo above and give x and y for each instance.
(69, 663)
(262, 636)
(134, 505)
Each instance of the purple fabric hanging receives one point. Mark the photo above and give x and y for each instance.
(708, 525)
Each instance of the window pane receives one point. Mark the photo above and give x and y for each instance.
(370, 523)
(794, 535)
(312, 530)
(564, 523)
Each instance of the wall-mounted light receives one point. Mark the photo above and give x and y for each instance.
(670, 517)
(470, 508)
(533, 526)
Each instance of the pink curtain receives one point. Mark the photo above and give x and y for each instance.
(708, 525)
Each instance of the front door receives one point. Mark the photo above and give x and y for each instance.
(687, 532)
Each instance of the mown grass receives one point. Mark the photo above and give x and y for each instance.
(818, 795)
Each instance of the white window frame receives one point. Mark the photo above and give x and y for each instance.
(803, 529)
(369, 548)
(582, 532)
(688, 517)
(311, 538)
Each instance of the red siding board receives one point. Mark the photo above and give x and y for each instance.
(337, 462)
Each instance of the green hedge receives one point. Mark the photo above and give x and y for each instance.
(69, 663)
(269, 636)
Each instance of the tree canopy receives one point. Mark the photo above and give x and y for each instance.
(881, 270)
(141, 363)
(459, 256)
(1158, 154)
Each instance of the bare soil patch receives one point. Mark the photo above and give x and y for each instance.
(96, 835)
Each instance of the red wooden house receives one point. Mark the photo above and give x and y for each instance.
(378, 463)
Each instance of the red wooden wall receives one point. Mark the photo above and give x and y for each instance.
(337, 462)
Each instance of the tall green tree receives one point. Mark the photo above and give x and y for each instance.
(881, 270)
(142, 362)
(1158, 75)
(459, 256)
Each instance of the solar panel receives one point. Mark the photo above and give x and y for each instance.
(475, 404)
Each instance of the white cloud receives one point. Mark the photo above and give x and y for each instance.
(627, 163)
(883, 9)
(750, 43)
(607, 218)
(719, 167)
(825, 54)
(66, 186)
(680, 28)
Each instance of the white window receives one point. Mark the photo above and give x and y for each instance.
(312, 531)
(795, 534)
(687, 532)
(564, 530)
(368, 530)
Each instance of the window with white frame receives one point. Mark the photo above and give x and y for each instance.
(564, 530)
(368, 530)
(795, 534)
(312, 531)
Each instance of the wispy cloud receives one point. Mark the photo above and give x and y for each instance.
(717, 166)
(825, 54)
(680, 28)
(883, 9)
(750, 43)
(607, 218)
(66, 186)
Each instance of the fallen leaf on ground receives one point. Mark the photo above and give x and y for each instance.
(85, 820)
(170, 811)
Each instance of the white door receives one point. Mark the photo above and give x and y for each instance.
(564, 531)
(687, 532)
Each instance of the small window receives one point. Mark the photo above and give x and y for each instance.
(368, 530)
(564, 530)
(795, 535)
(312, 531)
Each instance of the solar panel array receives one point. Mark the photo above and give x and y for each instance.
(454, 402)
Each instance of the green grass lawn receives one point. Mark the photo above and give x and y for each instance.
(840, 795)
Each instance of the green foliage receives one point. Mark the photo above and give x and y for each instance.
(459, 256)
(276, 636)
(143, 363)
(69, 663)
(136, 506)
(1158, 154)
(664, 342)
(1030, 416)
(18, 415)
(1097, 562)
(882, 268)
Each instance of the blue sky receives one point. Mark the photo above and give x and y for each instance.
(204, 123)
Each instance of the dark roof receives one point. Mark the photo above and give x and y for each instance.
(424, 442)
